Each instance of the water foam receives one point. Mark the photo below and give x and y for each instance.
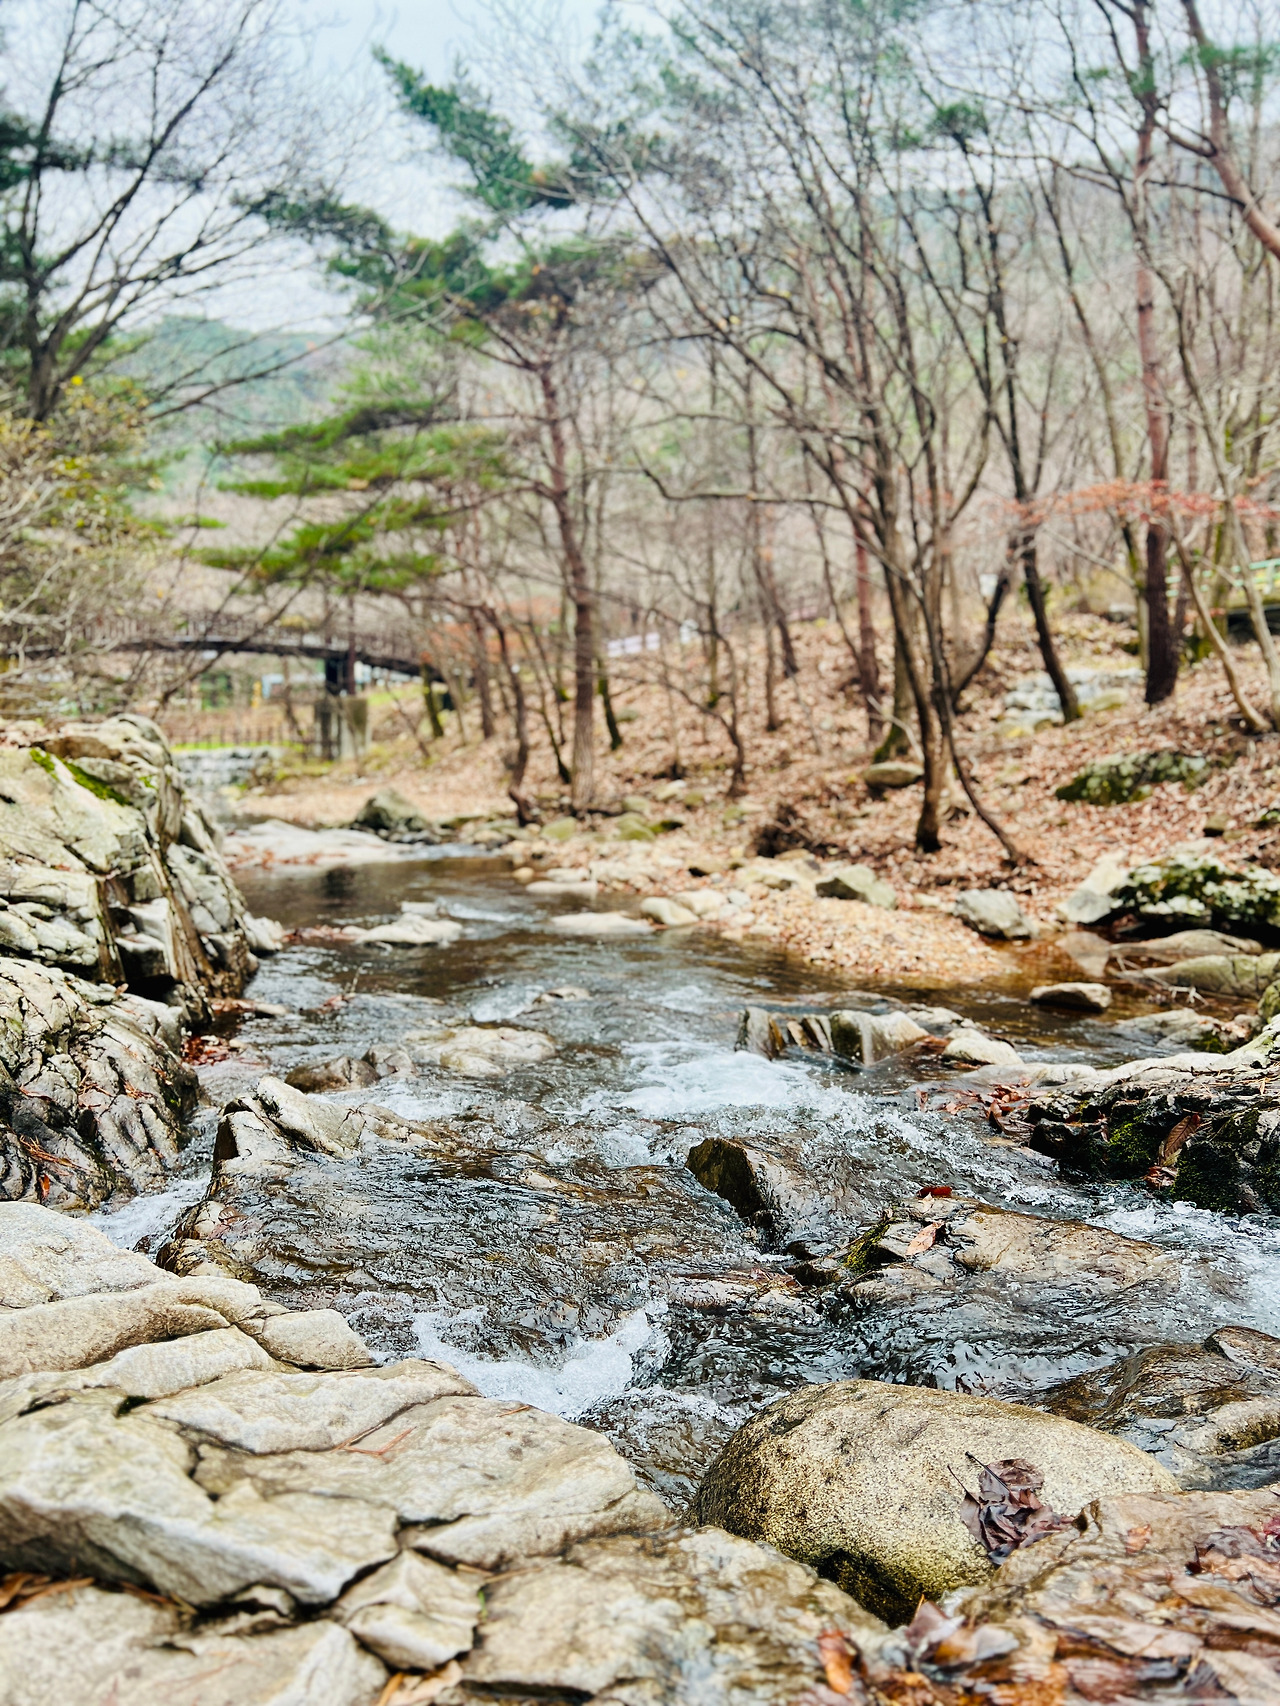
(593, 1370)
(144, 1216)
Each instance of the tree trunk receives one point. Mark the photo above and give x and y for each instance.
(1162, 654)
(606, 699)
(484, 688)
(1029, 558)
(868, 667)
(928, 827)
(578, 583)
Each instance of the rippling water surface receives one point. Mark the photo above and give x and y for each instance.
(563, 1254)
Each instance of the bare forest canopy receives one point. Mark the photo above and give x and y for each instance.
(902, 314)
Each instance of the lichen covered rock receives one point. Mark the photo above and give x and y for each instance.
(1132, 776)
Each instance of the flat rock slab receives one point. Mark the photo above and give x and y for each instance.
(698, 1618)
(94, 1648)
(599, 924)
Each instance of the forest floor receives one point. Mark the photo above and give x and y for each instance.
(806, 774)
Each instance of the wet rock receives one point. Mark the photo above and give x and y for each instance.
(1082, 997)
(93, 1645)
(872, 1037)
(524, 1261)
(564, 992)
(863, 1037)
(1153, 1596)
(1188, 1029)
(993, 912)
(1244, 976)
(389, 813)
(968, 1046)
(1209, 1413)
(669, 913)
(1186, 945)
(784, 1185)
(1132, 776)
(865, 1482)
(598, 924)
(697, 1616)
(1203, 1127)
(948, 1291)
(578, 887)
(892, 773)
(413, 929)
(1091, 953)
(857, 882)
(93, 1097)
(477, 1051)
(341, 1073)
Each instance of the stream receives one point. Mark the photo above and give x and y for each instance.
(562, 1253)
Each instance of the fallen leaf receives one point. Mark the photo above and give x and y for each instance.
(934, 1191)
(923, 1239)
(1137, 1539)
(837, 1661)
(1007, 1513)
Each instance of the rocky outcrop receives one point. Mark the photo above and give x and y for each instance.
(860, 1035)
(868, 1483)
(1132, 776)
(1210, 1413)
(94, 1092)
(118, 922)
(109, 870)
(297, 1532)
(1204, 1128)
(1186, 887)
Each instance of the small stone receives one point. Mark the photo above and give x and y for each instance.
(413, 1613)
(994, 912)
(668, 913)
(632, 827)
(704, 903)
(1085, 997)
(560, 828)
(341, 1073)
(637, 804)
(892, 773)
(971, 1047)
(598, 924)
(312, 1338)
(584, 888)
(857, 882)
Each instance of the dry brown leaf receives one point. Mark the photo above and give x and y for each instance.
(1007, 1513)
(1138, 1538)
(923, 1239)
(837, 1661)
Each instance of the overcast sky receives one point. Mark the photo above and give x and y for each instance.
(389, 167)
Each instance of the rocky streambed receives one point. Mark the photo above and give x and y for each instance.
(492, 1310)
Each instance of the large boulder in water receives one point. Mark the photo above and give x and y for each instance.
(868, 1482)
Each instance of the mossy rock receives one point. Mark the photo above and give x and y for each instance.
(1199, 888)
(1132, 776)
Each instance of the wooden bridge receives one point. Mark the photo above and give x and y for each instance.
(388, 649)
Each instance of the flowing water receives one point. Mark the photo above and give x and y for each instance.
(557, 1249)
